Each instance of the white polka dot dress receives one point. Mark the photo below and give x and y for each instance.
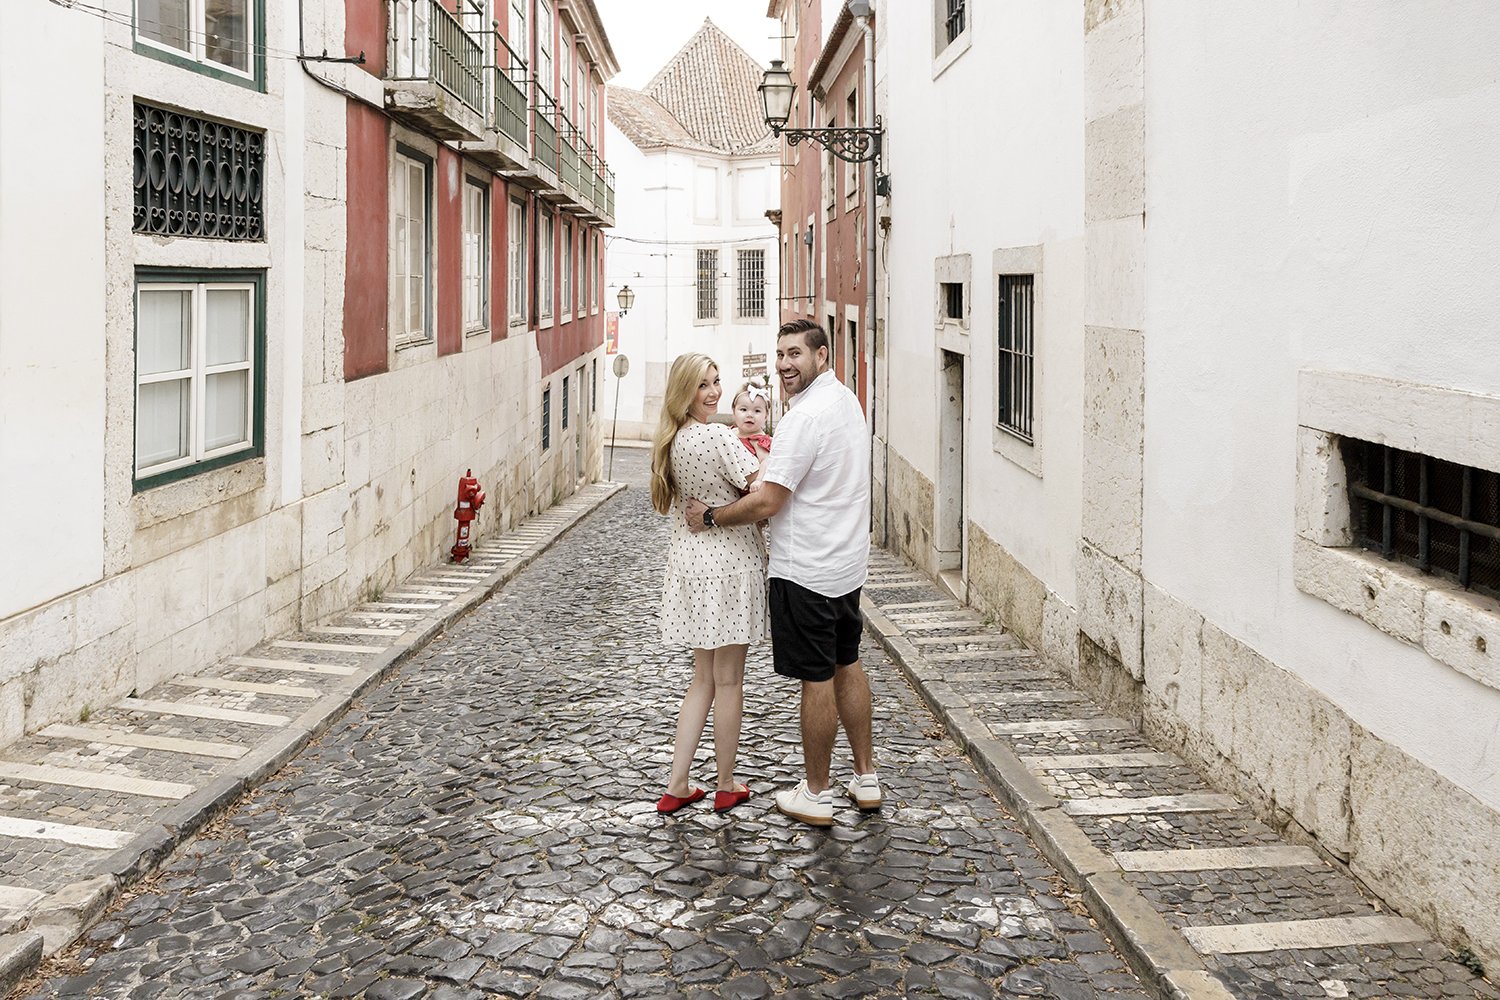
(714, 591)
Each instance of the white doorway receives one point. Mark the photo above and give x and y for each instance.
(948, 539)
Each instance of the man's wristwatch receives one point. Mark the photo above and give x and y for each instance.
(708, 518)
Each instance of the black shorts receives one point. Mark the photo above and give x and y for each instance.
(811, 634)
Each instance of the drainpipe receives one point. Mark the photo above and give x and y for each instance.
(862, 11)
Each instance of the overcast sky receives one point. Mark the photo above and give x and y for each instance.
(646, 33)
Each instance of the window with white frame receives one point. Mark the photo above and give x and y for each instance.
(519, 42)
(585, 102)
(751, 284)
(587, 301)
(544, 44)
(476, 255)
(547, 264)
(851, 170)
(955, 21)
(566, 403)
(412, 38)
(410, 270)
(546, 418)
(1015, 306)
(219, 34)
(567, 269)
(565, 75)
(597, 265)
(516, 261)
(708, 285)
(830, 177)
(198, 385)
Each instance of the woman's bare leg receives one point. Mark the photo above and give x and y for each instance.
(691, 719)
(729, 707)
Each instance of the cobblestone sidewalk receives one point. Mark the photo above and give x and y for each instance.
(482, 825)
(92, 805)
(1201, 895)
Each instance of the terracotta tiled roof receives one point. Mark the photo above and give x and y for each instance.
(647, 124)
(709, 90)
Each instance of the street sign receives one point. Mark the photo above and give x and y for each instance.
(622, 366)
(750, 360)
(752, 372)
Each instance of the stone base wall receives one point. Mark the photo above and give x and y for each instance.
(220, 578)
(1416, 839)
(910, 496)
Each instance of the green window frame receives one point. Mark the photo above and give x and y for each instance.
(195, 57)
(196, 368)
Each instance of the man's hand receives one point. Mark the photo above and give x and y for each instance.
(693, 512)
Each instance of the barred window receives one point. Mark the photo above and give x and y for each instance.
(565, 406)
(708, 284)
(546, 419)
(752, 284)
(196, 177)
(954, 23)
(1441, 517)
(1017, 346)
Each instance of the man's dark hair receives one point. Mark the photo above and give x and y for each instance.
(810, 331)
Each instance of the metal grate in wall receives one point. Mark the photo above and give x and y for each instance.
(954, 23)
(546, 419)
(752, 284)
(197, 178)
(1438, 516)
(565, 406)
(1017, 351)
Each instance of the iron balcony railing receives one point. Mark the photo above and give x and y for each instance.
(572, 165)
(609, 192)
(432, 44)
(509, 82)
(588, 180)
(543, 127)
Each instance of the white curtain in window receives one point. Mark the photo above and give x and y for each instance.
(161, 422)
(226, 410)
(227, 326)
(164, 331)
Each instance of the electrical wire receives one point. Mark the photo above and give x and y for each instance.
(688, 243)
(126, 20)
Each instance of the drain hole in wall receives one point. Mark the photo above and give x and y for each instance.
(1481, 645)
(1369, 592)
(1445, 628)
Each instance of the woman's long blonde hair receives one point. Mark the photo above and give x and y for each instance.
(688, 372)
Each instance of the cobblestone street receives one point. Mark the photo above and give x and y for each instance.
(483, 825)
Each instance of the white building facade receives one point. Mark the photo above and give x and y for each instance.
(1186, 372)
(697, 173)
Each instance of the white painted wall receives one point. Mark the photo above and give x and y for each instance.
(1321, 185)
(968, 183)
(669, 203)
(51, 305)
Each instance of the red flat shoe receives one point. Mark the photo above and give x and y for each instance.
(725, 801)
(671, 803)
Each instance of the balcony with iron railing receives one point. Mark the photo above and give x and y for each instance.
(570, 161)
(544, 149)
(435, 75)
(507, 142)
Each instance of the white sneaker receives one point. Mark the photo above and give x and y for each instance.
(799, 803)
(864, 789)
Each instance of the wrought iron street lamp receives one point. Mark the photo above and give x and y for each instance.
(856, 145)
(626, 299)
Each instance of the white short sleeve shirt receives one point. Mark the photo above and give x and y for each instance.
(821, 452)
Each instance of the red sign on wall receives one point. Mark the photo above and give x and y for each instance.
(611, 333)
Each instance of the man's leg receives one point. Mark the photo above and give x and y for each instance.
(851, 689)
(820, 726)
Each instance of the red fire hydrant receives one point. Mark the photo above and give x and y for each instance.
(470, 499)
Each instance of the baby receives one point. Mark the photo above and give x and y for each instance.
(752, 404)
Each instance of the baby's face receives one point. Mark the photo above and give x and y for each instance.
(750, 414)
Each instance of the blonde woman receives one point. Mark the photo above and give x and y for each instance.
(714, 592)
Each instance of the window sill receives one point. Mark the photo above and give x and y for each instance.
(566, 318)
(171, 495)
(1453, 626)
(478, 331)
(949, 55)
(1023, 454)
(545, 323)
(408, 343)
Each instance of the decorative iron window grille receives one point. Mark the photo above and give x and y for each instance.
(752, 284)
(953, 300)
(708, 284)
(1438, 516)
(594, 387)
(1017, 350)
(565, 403)
(546, 419)
(954, 23)
(197, 178)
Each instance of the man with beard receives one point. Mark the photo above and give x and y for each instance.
(816, 491)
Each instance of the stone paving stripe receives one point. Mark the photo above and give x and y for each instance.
(405, 605)
(1288, 935)
(245, 687)
(1090, 761)
(1058, 726)
(396, 616)
(921, 604)
(895, 584)
(442, 588)
(79, 836)
(45, 774)
(1033, 697)
(459, 574)
(141, 741)
(352, 630)
(1114, 805)
(428, 595)
(327, 647)
(949, 640)
(1217, 859)
(929, 625)
(13, 897)
(987, 654)
(297, 666)
(202, 712)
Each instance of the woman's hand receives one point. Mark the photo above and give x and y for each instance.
(693, 514)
